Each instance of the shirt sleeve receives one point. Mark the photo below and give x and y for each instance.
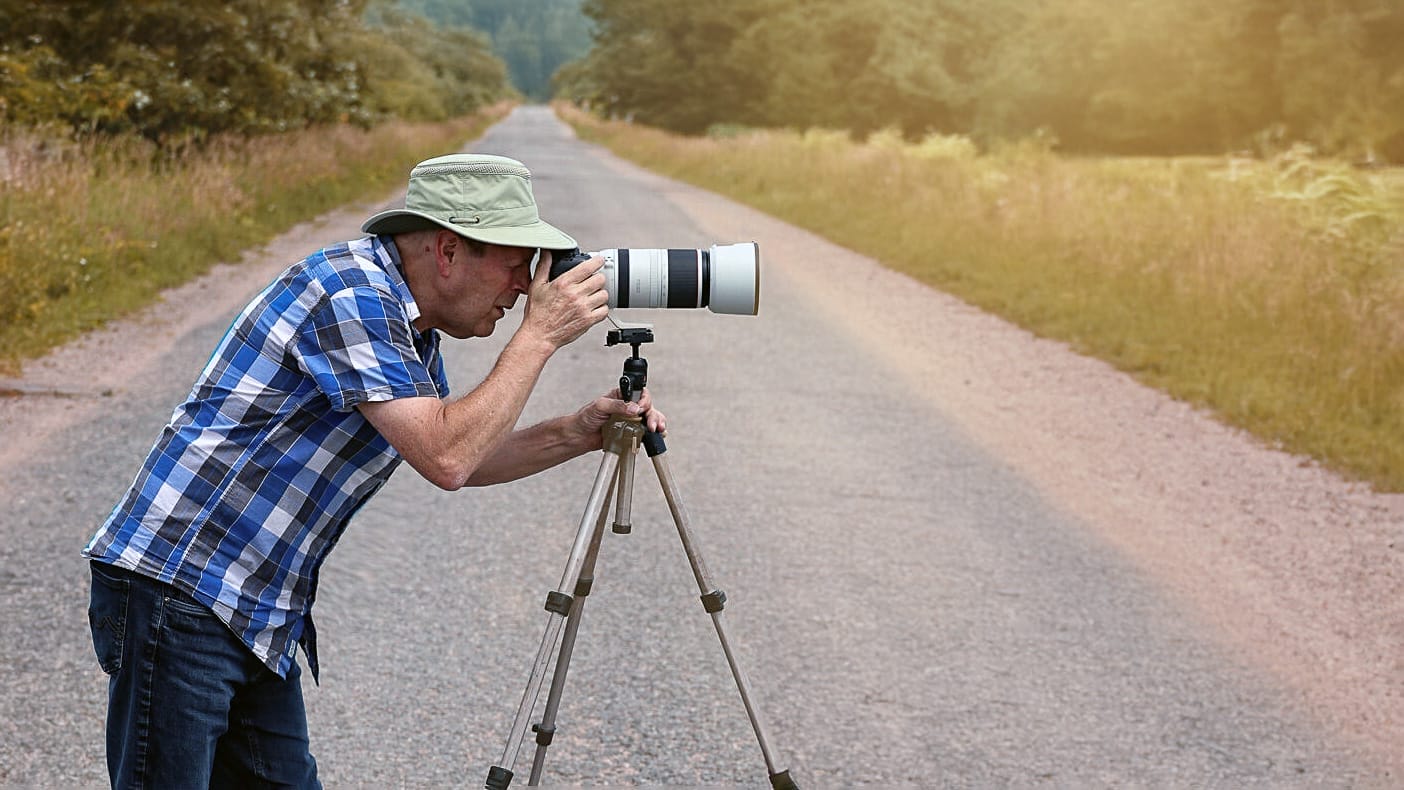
(357, 345)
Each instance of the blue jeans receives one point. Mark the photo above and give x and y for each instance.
(188, 704)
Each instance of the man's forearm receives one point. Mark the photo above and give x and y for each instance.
(473, 423)
(530, 450)
(447, 441)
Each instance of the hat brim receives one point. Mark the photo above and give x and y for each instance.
(537, 234)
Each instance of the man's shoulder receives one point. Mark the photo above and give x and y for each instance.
(350, 264)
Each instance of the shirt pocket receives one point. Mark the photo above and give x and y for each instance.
(107, 617)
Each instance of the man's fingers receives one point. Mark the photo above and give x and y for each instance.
(543, 268)
(583, 271)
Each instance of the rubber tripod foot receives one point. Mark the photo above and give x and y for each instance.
(499, 778)
(782, 781)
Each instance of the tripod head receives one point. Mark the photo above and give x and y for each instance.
(635, 378)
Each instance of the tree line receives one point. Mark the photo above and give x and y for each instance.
(173, 69)
(1097, 76)
(533, 37)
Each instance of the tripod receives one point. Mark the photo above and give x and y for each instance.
(615, 478)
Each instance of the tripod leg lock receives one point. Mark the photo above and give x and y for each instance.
(543, 735)
(558, 603)
(714, 601)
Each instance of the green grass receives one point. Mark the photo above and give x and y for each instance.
(90, 232)
(1269, 292)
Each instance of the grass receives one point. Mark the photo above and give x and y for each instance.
(93, 231)
(1271, 292)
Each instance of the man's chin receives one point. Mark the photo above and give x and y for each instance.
(464, 334)
(483, 328)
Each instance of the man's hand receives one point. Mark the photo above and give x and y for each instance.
(590, 420)
(561, 310)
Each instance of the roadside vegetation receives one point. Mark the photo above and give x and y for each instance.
(1268, 290)
(91, 231)
(141, 143)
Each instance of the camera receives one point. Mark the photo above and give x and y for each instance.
(724, 278)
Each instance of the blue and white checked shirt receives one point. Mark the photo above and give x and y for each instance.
(255, 477)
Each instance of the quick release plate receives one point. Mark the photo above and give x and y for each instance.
(634, 336)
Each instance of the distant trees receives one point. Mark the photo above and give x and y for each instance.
(172, 68)
(1131, 76)
(417, 69)
(533, 37)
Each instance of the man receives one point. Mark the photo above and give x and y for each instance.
(205, 573)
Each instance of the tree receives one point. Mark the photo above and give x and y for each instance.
(416, 69)
(666, 63)
(177, 67)
(1342, 72)
(171, 69)
(533, 37)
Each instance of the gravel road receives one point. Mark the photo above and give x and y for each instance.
(954, 554)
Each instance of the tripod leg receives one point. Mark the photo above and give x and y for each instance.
(623, 514)
(559, 604)
(713, 600)
(546, 730)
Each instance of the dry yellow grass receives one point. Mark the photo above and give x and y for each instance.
(92, 231)
(1270, 292)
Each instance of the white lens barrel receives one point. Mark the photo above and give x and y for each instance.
(638, 277)
(725, 279)
(735, 278)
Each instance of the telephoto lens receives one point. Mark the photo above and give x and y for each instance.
(724, 278)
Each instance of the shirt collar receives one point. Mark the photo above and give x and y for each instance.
(389, 257)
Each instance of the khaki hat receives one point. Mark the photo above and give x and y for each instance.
(480, 196)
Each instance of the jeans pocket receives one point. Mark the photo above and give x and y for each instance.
(187, 615)
(107, 617)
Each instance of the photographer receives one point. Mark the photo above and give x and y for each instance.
(205, 573)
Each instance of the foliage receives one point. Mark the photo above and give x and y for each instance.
(173, 69)
(666, 64)
(420, 70)
(533, 37)
(1269, 291)
(1133, 76)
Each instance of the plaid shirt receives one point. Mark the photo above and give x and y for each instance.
(255, 477)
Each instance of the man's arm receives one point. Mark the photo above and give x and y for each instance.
(542, 446)
(470, 440)
(431, 435)
(446, 441)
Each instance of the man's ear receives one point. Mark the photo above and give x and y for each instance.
(447, 251)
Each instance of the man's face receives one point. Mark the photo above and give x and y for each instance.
(483, 288)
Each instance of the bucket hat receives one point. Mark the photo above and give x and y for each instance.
(483, 197)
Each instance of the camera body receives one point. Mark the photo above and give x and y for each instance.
(724, 278)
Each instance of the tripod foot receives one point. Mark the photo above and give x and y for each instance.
(782, 781)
